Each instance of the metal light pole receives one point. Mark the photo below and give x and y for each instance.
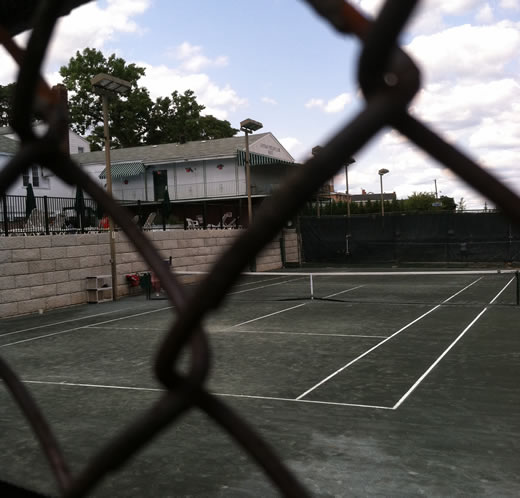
(347, 164)
(249, 126)
(110, 86)
(315, 151)
(382, 172)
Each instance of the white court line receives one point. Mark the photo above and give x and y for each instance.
(291, 308)
(343, 292)
(101, 323)
(66, 321)
(229, 331)
(437, 361)
(260, 281)
(268, 315)
(247, 396)
(84, 327)
(381, 343)
(263, 286)
(498, 295)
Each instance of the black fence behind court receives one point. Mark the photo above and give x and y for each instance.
(411, 238)
(48, 215)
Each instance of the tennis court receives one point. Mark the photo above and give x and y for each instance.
(367, 384)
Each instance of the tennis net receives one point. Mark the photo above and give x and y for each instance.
(463, 287)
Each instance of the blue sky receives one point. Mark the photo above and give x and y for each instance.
(276, 62)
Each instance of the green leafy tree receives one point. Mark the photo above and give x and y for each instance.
(420, 201)
(134, 119)
(448, 203)
(127, 115)
(426, 201)
(6, 108)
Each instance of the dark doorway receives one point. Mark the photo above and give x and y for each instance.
(160, 181)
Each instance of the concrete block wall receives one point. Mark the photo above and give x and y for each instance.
(292, 246)
(49, 271)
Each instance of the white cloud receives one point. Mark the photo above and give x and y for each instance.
(510, 4)
(194, 60)
(292, 144)
(315, 103)
(485, 14)
(163, 80)
(337, 104)
(456, 106)
(269, 100)
(87, 26)
(467, 51)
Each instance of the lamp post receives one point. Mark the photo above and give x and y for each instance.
(315, 151)
(382, 172)
(347, 164)
(109, 86)
(249, 126)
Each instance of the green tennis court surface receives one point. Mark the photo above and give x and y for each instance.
(380, 385)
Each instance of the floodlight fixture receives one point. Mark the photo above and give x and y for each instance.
(250, 125)
(382, 171)
(108, 84)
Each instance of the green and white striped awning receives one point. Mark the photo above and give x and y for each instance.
(124, 170)
(258, 159)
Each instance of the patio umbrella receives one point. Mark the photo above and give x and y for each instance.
(99, 210)
(30, 201)
(165, 207)
(79, 206)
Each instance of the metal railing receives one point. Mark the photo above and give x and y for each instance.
(388, 78)
(48, 215)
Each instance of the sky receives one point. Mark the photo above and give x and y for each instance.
(276, 62)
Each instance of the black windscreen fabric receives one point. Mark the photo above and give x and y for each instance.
(408, 238)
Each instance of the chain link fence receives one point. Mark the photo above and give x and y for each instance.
(388, 78)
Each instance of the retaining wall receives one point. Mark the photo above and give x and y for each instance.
(49, 271)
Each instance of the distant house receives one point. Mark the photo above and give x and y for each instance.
(197, 174)
(364, 197)
(44, 181)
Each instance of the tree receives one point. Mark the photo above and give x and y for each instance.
(133, 119)
(420, 201)
(426, 201)
(448, 203)
(127, 115)
(6, 104)
(461, 206)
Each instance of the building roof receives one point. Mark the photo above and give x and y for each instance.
(176, 152)
(8, 146)
(387, 196)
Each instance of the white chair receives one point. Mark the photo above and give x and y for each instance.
(192, 224)
(148, 223)
(228, 221)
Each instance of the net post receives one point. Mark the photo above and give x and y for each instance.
(312, 286)
(517, 287)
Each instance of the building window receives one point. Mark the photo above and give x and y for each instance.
(32, 171)
(81, 150)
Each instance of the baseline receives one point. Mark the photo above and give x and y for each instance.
(246, 396)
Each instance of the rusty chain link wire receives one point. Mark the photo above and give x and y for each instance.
(389, 80)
